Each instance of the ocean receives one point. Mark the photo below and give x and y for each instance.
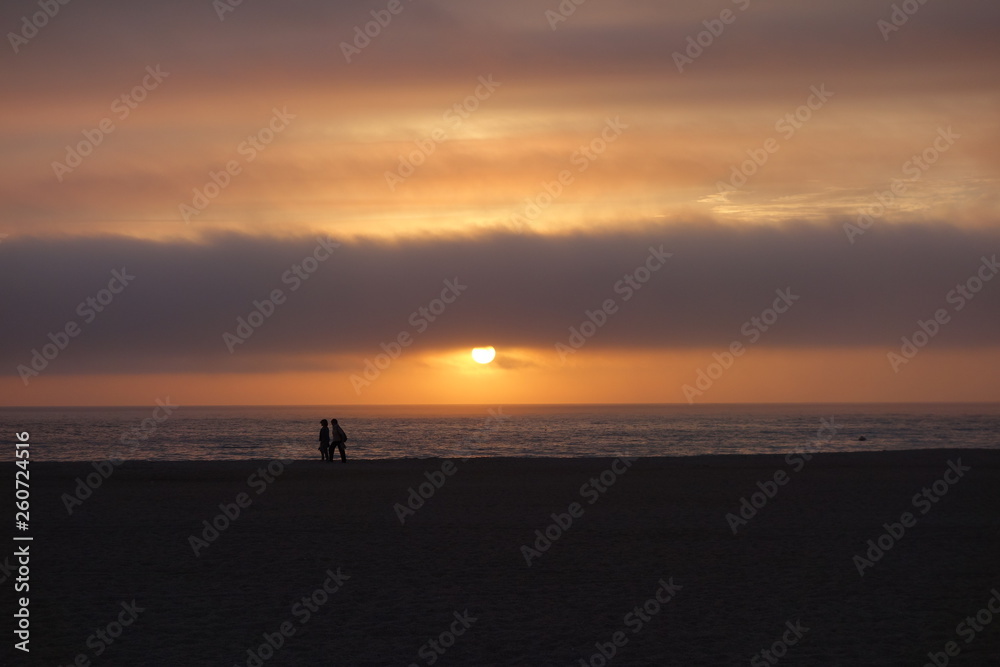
(393, 432)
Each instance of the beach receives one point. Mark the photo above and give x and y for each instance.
(806, 559)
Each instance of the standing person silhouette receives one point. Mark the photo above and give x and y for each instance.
(324, 441)
(338, 439)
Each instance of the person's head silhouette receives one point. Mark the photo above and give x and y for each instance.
(323, 422)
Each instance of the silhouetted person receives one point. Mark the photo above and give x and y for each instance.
(339, 437)
(324, 441)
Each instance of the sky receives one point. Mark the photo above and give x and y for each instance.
(632, 201)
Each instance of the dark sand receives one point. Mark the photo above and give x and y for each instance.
(662, 519)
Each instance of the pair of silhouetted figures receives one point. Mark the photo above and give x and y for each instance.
(326, 445)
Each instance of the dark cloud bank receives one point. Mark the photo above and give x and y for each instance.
(523, 289)
(455, 39)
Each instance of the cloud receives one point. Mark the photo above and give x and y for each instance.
(523, 290)
(291, 43)
(354, 121)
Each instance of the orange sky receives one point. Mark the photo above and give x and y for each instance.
(544, 163)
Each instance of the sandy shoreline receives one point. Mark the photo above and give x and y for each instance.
(320, 551)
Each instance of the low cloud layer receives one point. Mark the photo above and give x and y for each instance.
(303, 41)
(522, 290)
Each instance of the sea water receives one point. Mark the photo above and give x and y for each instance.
(392, 432)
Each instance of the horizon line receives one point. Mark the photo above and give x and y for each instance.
(558, 404)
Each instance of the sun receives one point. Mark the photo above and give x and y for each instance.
(483, 355)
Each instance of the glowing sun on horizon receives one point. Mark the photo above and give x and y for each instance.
(483, 355)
